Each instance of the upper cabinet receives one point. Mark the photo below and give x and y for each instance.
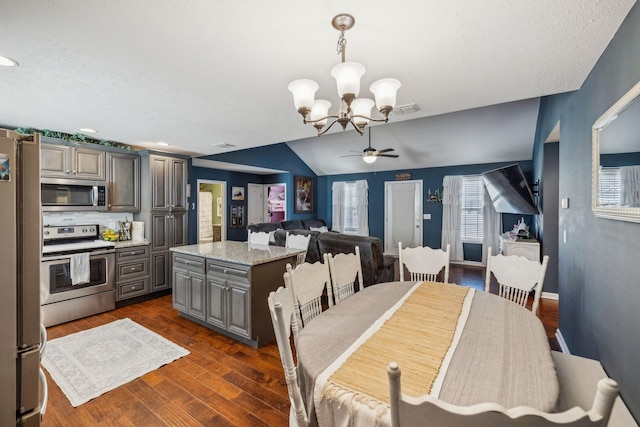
(168, 183)
(62, 161)
(123, 176)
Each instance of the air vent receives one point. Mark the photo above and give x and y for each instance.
(404, 109)
(223, 145)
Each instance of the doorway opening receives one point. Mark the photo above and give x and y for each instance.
(276, 206)
(212, 206)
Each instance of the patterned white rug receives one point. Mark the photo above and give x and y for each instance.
(92, 362)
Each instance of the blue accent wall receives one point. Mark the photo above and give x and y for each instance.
(598, 265)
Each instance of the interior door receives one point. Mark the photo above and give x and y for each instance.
(403, 215)
(255, 204)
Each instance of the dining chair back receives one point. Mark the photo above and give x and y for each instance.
(408, 411)
(308, 283)
(298, 241)
(517, 276)
(282, 316)
(258, 238)
(424, 263)
(346, 274)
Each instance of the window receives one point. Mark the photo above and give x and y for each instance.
(472, 204)
(350, 208)
(609, 194)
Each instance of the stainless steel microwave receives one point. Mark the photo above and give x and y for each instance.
(76, 195)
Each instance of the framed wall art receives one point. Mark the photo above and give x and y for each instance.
(237, 193)
(236, 216)
(303, 190)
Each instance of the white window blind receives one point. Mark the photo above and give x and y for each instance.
(609, 192)
(471, 222)
(350, 208)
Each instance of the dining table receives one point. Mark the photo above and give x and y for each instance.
(458, 344)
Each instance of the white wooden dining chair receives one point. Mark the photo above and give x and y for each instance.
(346, 274)
(284, 323)
(308, 283)
(258, 238)
(424, 263)
(298, 241)
(409, 411)
(517, 276)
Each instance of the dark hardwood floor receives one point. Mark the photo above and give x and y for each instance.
(221, 383)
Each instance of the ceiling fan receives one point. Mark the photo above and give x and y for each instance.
(370, 154)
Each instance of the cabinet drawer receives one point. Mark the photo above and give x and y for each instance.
(132, 269)
(132, 288)
(137, 252)
(216, 267)
(194, 264)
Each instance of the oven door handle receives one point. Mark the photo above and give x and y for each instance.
(66, 257)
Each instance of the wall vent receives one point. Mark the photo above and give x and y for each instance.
(223, 145)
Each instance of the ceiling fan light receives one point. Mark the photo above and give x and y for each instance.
(385, 91)
(368, 158)
(347, 75)
(304, 91)
(320, 109)
(362, 107)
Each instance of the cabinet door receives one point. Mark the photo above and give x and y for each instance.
(196, 295)
(179, 228)
(123, 174)
(159, 169)
(178, 184)
(180, 289)
(54, 161)
(216, 301)
(88, 164)
(160, 231)
(239, 307)
(160, 278)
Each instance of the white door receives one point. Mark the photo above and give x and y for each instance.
(403, 215)
(255, 204)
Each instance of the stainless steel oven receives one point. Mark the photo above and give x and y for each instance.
(63, 299)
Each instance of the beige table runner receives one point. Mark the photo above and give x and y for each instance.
(417, 336)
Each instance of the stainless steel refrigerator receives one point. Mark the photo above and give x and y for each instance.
(22, 383)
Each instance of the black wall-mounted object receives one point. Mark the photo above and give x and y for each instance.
(509, 190)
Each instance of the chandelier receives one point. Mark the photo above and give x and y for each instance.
(353, 110)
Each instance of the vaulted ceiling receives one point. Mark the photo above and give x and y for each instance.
(199, 73)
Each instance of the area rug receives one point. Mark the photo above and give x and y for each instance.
(92, 362)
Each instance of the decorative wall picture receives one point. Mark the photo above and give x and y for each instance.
(303, 189)
(236, 216)
(5, 168)
(219, 206)
(237, 193)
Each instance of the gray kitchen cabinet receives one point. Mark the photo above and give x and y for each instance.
(163, 208)
(74, 162)
(123, 176)
(189, 286)
(229, 302)
(132, 272)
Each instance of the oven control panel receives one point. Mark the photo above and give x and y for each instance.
(51, 232)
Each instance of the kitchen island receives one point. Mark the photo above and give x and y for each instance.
(224, 286)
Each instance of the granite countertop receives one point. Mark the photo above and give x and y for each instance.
(238, 252)
(130, 243)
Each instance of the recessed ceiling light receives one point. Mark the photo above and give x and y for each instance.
(5, 61)
(88, 130)
(163, 143)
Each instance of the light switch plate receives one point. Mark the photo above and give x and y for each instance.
(565, 203)
(426, 216)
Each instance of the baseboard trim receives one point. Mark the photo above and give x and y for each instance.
(550, 295)
(561, 342)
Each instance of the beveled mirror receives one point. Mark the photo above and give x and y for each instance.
(616, 160)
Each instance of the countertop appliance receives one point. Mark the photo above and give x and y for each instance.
(63, 296)
(22, 381)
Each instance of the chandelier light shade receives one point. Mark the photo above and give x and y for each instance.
(352, 110)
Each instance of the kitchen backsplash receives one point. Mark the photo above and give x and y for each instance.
(104, 220)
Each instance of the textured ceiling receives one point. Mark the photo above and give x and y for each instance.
(196, 73)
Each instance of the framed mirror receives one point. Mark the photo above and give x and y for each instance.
(616, 160)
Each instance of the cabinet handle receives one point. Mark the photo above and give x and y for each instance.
(75, 172)
(133, 269)
(67, 172)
